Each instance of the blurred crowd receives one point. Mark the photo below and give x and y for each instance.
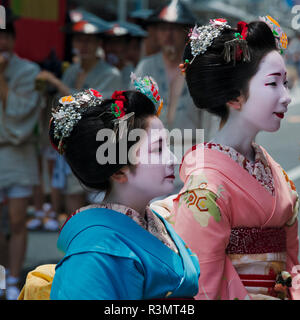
(37, 187)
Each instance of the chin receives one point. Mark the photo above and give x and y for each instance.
(274, 129)
(170, 188)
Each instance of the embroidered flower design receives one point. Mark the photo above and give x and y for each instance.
(202, 204)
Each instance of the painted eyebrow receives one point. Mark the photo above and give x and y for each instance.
(276, 74)
(157, 140)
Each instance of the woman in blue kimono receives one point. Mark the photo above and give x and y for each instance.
(119, 249)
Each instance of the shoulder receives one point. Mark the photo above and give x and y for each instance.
(74, 67)
(97, 277)
(25, 66)
(150, 61)
(108, 68)
(93, 230)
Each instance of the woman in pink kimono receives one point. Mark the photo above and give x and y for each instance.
(238, 209)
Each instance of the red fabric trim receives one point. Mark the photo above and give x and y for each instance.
(264, 284)
(257, 276)
(259, 280)
(73, 214)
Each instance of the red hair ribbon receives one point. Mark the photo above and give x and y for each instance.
(118, 106)
(242, 28)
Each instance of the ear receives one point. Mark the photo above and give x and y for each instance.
(120, 176)
(236, 103)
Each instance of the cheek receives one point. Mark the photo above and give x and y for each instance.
(142, 175)
(259, 103)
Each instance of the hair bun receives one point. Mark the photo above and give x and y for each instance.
(212, 82)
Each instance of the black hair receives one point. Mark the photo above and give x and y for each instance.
(81, 146)
(9, 29)
(213, 82)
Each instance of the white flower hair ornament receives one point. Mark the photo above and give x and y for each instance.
(69, 111)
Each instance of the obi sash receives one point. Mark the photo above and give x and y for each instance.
(245, 240)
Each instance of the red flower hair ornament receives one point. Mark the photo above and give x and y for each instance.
(118, 108)
(119, 111)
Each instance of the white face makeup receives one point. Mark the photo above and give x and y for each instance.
(154, 175)
(268, 95)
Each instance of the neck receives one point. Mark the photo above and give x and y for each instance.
(87, 64)
(171, 59)
(124, 197)
(239, 135)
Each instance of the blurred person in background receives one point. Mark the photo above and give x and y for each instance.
(172, 27)
(122, 46)
(90, 71)
(19, 114)
(150, 44)
(43, 214)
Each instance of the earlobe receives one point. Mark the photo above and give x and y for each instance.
(120, 176)
(236, 103)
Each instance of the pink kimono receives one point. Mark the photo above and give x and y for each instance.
(242, 224)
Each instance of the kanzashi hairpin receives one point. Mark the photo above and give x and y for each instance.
(69, 111)
(237, 48)
(279, 34)
(184, 65)
(148, 87)
(122, 125)
(202, 37)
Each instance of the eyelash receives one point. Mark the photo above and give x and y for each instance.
(274, 84)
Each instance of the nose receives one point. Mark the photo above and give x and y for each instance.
(171, 158)
(286, 98)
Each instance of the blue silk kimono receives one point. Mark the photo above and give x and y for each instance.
(108, 256)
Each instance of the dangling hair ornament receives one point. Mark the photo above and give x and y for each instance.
(149, 88)
(184, 65)
(238, 47)
(69, 111)
(279, 34)
(123, 121)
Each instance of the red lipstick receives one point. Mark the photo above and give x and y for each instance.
(171, 176)
(279, 115)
